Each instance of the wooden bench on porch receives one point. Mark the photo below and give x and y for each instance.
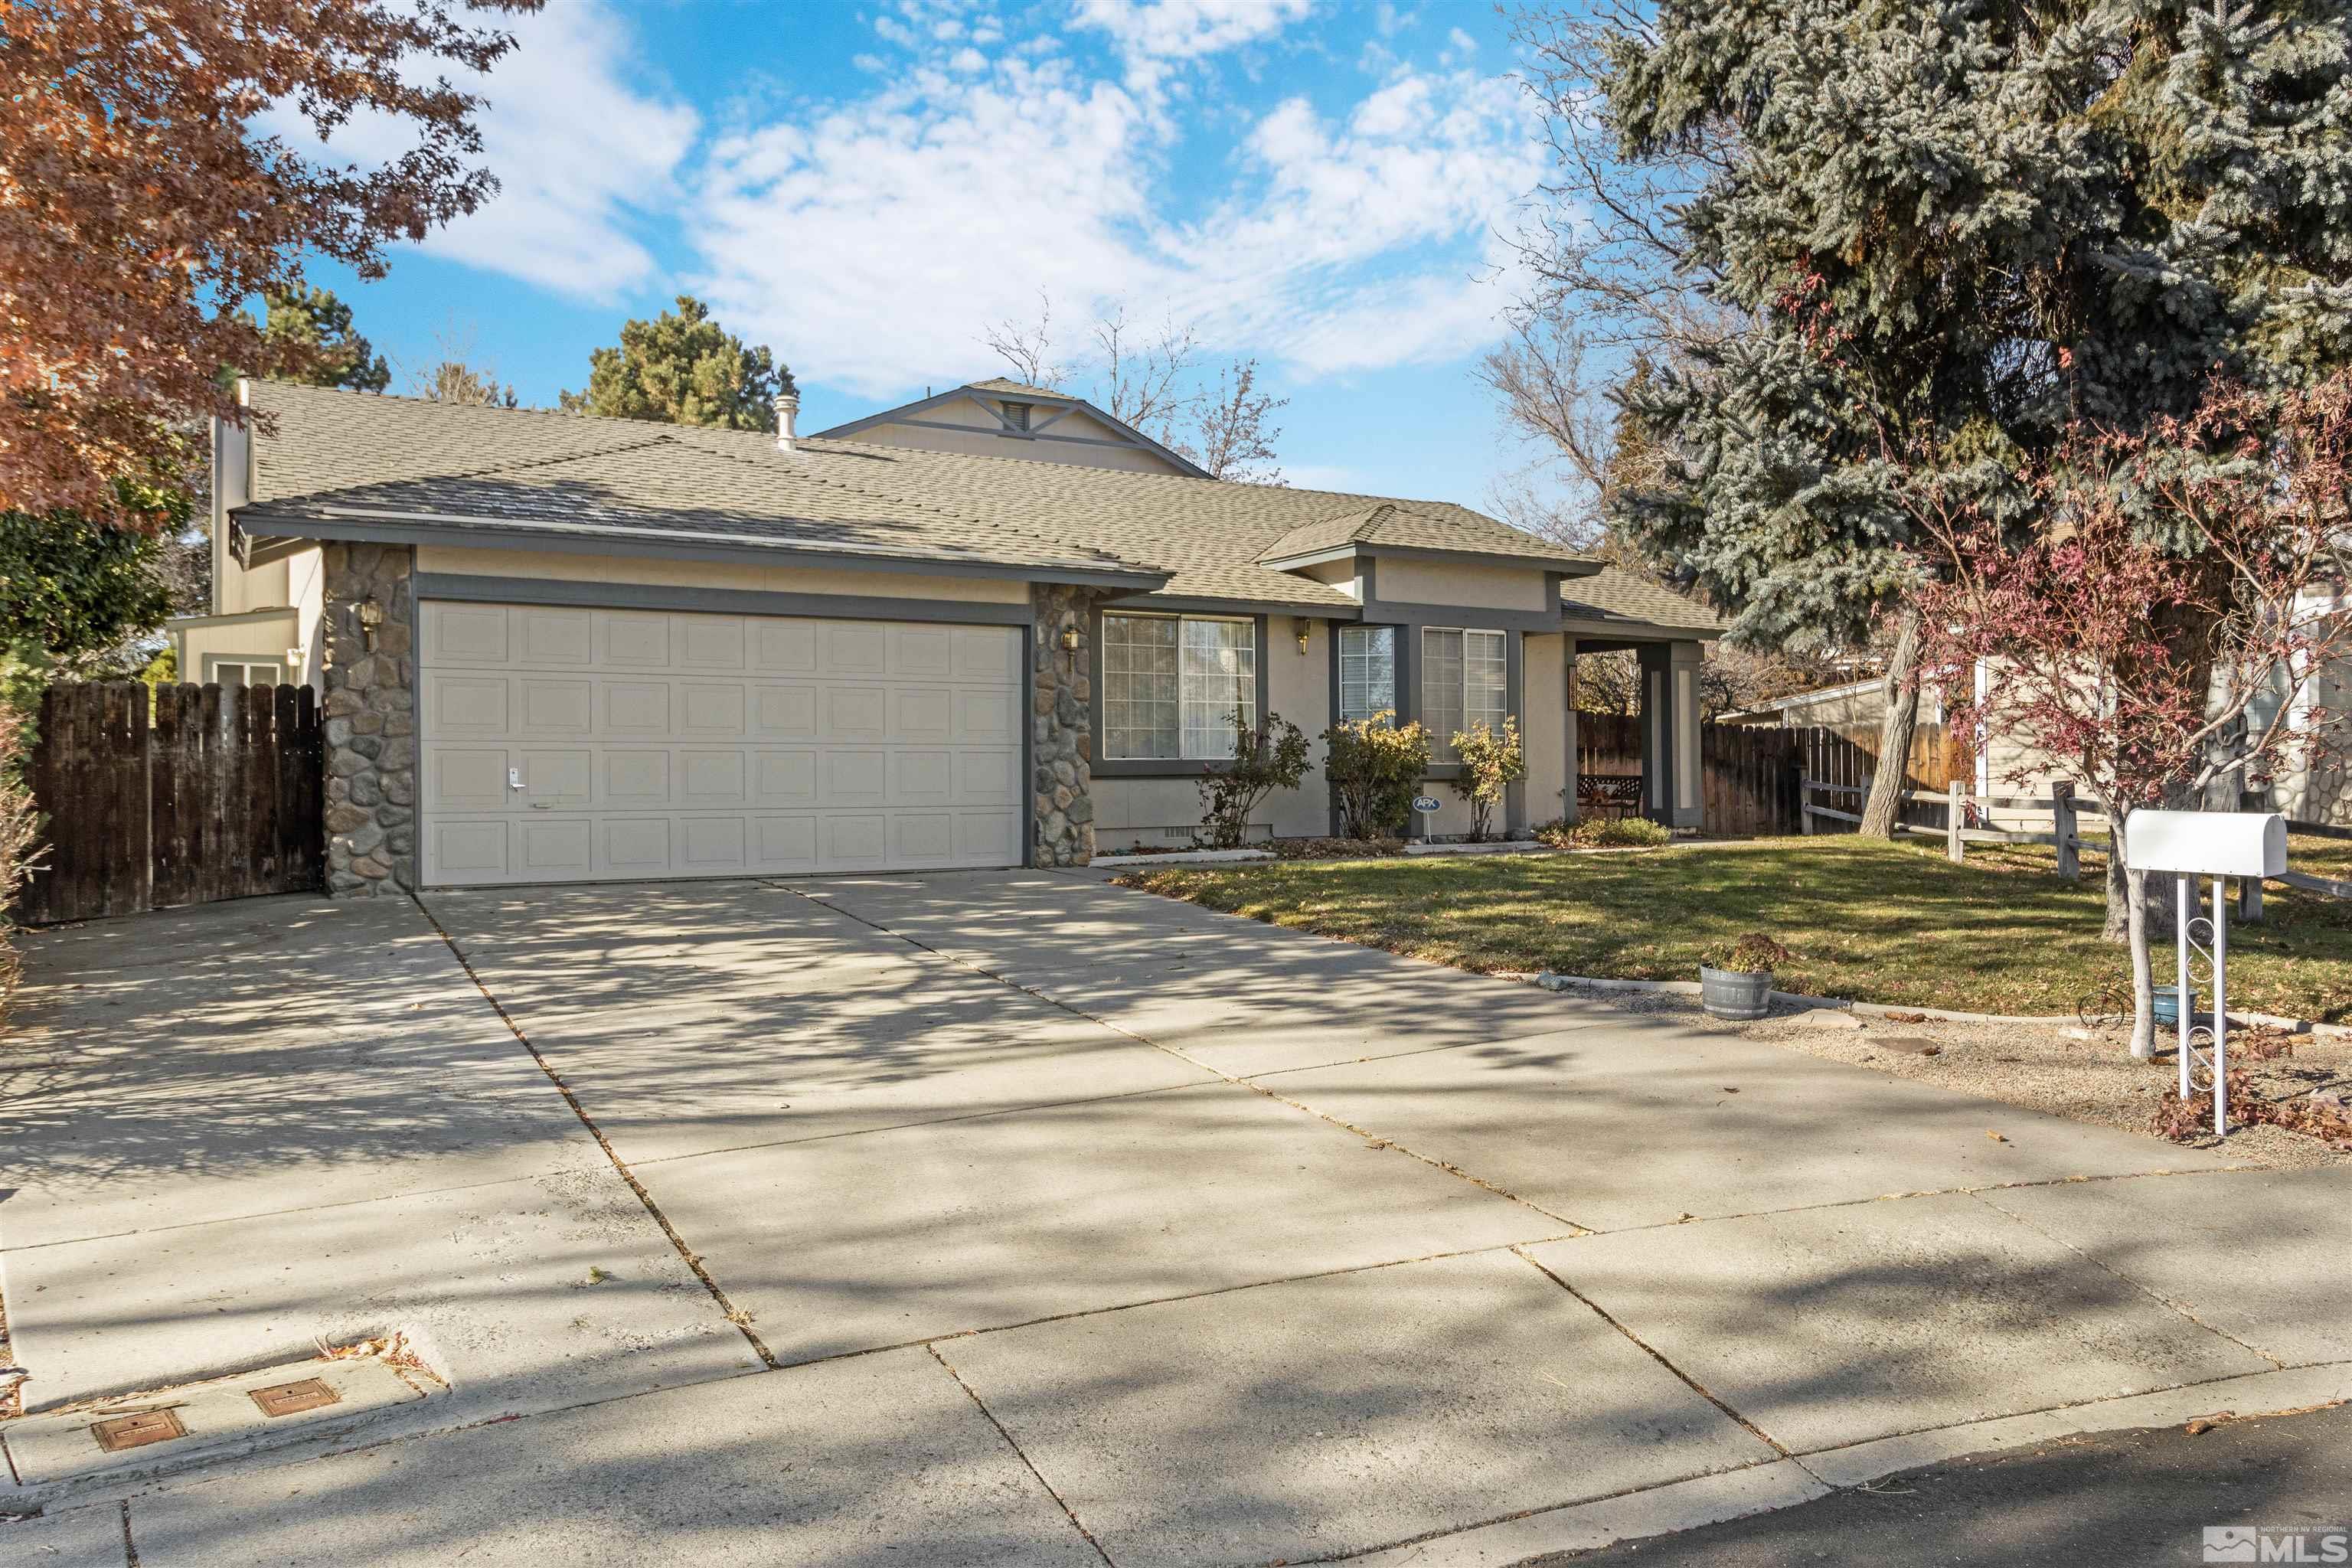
(1608, 795)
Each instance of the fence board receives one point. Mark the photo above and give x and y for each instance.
(1748, 772)
(186, 796)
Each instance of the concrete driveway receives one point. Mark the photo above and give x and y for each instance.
(1019, 1218)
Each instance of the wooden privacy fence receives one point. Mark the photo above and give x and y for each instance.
(191, 795)
(1750, 775)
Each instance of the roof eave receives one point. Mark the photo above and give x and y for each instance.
(376, 527)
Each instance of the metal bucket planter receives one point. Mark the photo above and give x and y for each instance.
(2167, 1005)
(1735, 993)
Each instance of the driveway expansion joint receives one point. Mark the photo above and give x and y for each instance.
(1030, 1465)
(2120, 1277)
(1693, 1383)
(739, 1319)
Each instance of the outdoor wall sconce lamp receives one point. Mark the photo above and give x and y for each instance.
(1302, 625)
(1069, 639)
(370, 614)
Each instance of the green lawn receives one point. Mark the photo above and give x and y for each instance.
(1883, 923)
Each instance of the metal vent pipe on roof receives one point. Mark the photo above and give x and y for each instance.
(788, 407)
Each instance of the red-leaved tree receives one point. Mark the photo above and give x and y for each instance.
(2155, 637)
(140, 205)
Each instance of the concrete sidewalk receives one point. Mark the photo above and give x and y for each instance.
(1082, 1226)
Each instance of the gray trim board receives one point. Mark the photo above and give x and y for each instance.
(1028, 738)
(561, 592)
(1470, 615)
(1175, 605)
(1373, 550)
(426, 528)
(1633, 631)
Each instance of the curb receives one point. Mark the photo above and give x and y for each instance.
(1551, 981)
(1185, 858)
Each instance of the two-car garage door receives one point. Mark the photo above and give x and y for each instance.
(564, 744)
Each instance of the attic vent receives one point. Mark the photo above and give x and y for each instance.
(1016, 415)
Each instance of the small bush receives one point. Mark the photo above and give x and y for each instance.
(1376, 766)
(1491, 763)
(1605, 833)
(1271, 757)
(1752, 954)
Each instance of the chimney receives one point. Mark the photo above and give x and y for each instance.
(788, 407)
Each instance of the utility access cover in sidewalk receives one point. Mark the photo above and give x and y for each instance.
(155, 1429)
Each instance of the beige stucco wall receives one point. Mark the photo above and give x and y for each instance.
(262, 587)
(1409, 582)
(1343, 575)
(1543, 728)
(264, 636)
(750, 575)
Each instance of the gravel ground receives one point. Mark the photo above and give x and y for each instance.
(2039, 1066)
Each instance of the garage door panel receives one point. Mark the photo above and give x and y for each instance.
(466, 778)
(550, 709)
(474, 707)
(783, 843)
(989, 654)
(984, 717)
(551, 848)
(856, 712)
(558, 776)
(631, 639)
(712, 778)
(634, 709)
(637, 778)
(555, 639)
(565, 744)
(783, 712)
(922, 714)
(637, 846)
(853, 648)
(466, 634)
(783, 778)
(783, 647)
(709, 709)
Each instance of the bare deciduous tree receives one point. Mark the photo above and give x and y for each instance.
(1233, 434)
(1028, 349)
(1144, 373)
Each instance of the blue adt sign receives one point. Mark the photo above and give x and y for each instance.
(1424, 802)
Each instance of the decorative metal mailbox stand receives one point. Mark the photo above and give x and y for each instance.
(2220, 845)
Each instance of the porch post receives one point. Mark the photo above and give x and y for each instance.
(1567, 808)
(1683, 666)
(1657, 738)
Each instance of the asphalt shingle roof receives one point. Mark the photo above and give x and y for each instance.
(1615, 595)
(520, 467)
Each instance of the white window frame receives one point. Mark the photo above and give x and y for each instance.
(1468, 710)
(1204, 730)
(215, 665)
(1366, 679)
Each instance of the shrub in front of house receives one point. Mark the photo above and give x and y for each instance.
(1492, 760)
(1375, 766)
(1605, 833)
(1269, 757)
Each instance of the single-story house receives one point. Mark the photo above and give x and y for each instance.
(993, 627)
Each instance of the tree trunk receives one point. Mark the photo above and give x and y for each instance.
(1883, 810)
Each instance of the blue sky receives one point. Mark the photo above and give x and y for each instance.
(868, 187)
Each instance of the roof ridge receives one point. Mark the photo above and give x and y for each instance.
(894, 499)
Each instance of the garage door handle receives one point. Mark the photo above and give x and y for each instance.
(542, 805)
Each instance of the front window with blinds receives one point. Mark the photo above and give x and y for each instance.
(1367, 671)
(1172, 685)
(1465, 682)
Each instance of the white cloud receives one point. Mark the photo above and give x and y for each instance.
(1156, 35)
(575, 147)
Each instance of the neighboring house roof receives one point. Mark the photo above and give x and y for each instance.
(337, 459)
(1612, 595)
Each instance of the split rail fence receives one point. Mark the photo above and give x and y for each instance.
(183, 795)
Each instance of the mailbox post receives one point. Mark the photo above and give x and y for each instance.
(2249, 845)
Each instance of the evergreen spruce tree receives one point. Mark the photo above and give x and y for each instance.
(1941, 233)
(683, 368)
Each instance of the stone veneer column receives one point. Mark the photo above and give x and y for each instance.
(371, 721)
(1061, 729)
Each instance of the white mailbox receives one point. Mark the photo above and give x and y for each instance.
(2208, 843)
